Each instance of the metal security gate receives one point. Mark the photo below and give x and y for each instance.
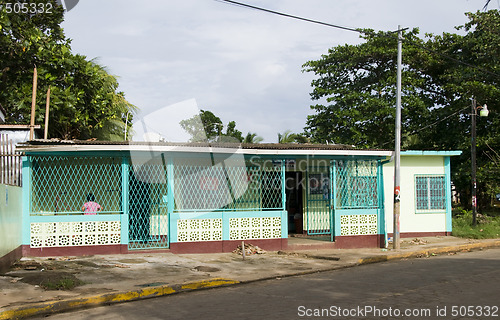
(357, 200)
(318, 196)
(148, 214)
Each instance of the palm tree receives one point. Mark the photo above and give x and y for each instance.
(252, 138)
(286, 137)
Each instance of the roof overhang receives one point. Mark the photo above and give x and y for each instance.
(304, 150)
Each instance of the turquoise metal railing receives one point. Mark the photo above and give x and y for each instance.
(62, 184)
(220, 188)
(356, 184)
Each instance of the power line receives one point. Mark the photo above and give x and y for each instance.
(358, 30)
(292, 16)
(429, 125)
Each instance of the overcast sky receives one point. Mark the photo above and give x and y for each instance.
(241, 64)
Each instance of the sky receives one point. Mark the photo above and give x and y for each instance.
(173, 58)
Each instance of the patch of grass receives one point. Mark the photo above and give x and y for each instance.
(61, 284)
(50, 280)
(487, 227)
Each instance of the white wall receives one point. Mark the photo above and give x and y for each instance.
(409, 220)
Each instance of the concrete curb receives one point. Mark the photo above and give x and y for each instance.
(52, 307)
(428, 252)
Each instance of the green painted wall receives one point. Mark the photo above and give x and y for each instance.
(10, 218)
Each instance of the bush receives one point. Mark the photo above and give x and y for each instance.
(486, 227)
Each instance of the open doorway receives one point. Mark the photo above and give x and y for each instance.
(294, 202)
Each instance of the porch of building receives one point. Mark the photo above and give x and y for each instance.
(198, 201)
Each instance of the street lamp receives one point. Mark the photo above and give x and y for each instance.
(483, 113)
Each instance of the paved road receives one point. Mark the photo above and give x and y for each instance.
(426, 288)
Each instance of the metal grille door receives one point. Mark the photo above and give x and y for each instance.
(148, 214)
(318, 201)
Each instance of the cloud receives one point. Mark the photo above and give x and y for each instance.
(241, 64)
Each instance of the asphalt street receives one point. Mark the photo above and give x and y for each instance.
(458, 286)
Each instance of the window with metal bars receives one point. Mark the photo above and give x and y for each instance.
(430, 193)
(227, 188)
(62, 184)
(357, 184)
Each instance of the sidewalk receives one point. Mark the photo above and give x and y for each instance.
(119, 278)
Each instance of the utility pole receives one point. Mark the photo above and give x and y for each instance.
(33, 104)
(473, 161)
(397, 148)
(47, 104)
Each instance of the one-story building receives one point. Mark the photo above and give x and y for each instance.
(209, 197)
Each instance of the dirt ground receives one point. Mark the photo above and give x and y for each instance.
(45, 275)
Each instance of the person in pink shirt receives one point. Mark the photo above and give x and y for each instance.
(91, 207)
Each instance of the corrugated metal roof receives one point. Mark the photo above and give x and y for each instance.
(36, 144)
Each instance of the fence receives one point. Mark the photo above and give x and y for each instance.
(10, 162)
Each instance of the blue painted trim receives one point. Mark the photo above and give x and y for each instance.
(381, 209)
(225, 224)
(447, 174)
(76, 153)
(196, 215)
(69, 213)
(283, 191)
(172, 224)
(284, 215)
(430, 153)
(219, 214)
(383, 223)
(77, 218)
(335, 219)
(125, 201)
(26, 201)
(342, 212)
(284, 224)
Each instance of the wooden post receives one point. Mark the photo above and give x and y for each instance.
(46, 132)
(33, 103)
(2, 174)
(11, 162)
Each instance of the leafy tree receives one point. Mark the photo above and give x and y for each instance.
(359, 84)
(356, 89)
(84, 99)
(232, 134)
(204, 126)
(207, 127)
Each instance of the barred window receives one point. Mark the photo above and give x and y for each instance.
(430, 193)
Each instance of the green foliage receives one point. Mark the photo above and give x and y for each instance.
(356, 89)
(84, 99)
(202, 127)
(252, 138)
(61, 284)
(358, 83)
(232, 133)
(487, 226)
(207, 127)
(289, 137)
